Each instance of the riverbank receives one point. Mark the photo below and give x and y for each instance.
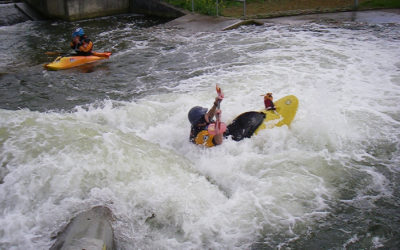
(200, 23)
(268, 9)
(272, 8)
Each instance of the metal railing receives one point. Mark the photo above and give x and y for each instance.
(216, 7)
(244, 7)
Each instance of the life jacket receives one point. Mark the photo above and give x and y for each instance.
(199, 135)
(84, 47)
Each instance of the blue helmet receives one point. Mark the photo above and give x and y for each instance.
(196, 114)
(78, 32)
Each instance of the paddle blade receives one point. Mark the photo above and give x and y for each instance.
(54, 53)
(102, 54)
(213, 130)
(219, 91)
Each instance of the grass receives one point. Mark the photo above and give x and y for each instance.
(267, 8)
(271, 7)
(381, 4)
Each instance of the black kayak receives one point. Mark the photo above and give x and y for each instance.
(244, 125)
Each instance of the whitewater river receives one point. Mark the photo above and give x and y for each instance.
(116, 135)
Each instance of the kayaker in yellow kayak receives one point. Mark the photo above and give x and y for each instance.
(81, 43)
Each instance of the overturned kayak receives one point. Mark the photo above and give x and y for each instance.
(89, 230)
(249, 123)
(67, 62)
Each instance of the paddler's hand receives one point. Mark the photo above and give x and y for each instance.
(76, 39)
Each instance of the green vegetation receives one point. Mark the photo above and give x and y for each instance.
(207, 7)
(380, 4)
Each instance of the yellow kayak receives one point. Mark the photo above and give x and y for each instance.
(249, 123)
(67, 62)
(284, 113)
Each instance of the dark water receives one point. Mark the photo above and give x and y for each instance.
(115, 134)
(25, 84)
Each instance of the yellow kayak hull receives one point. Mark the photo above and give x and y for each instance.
(67, 62)
(286, 109)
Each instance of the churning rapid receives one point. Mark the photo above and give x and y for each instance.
(116, 135)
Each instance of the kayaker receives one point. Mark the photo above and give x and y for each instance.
(200, 119)
(268, 102)
(81, 43)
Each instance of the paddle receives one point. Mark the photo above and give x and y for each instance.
(102, 54)
(54, 53)
(217, 127)
(57, 53)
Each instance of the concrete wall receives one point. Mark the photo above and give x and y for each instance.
(10, 15)
(79, 9)
(55, 8)
(48, 8)
(82, 9)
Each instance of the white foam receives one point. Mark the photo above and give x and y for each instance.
(165, 192)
